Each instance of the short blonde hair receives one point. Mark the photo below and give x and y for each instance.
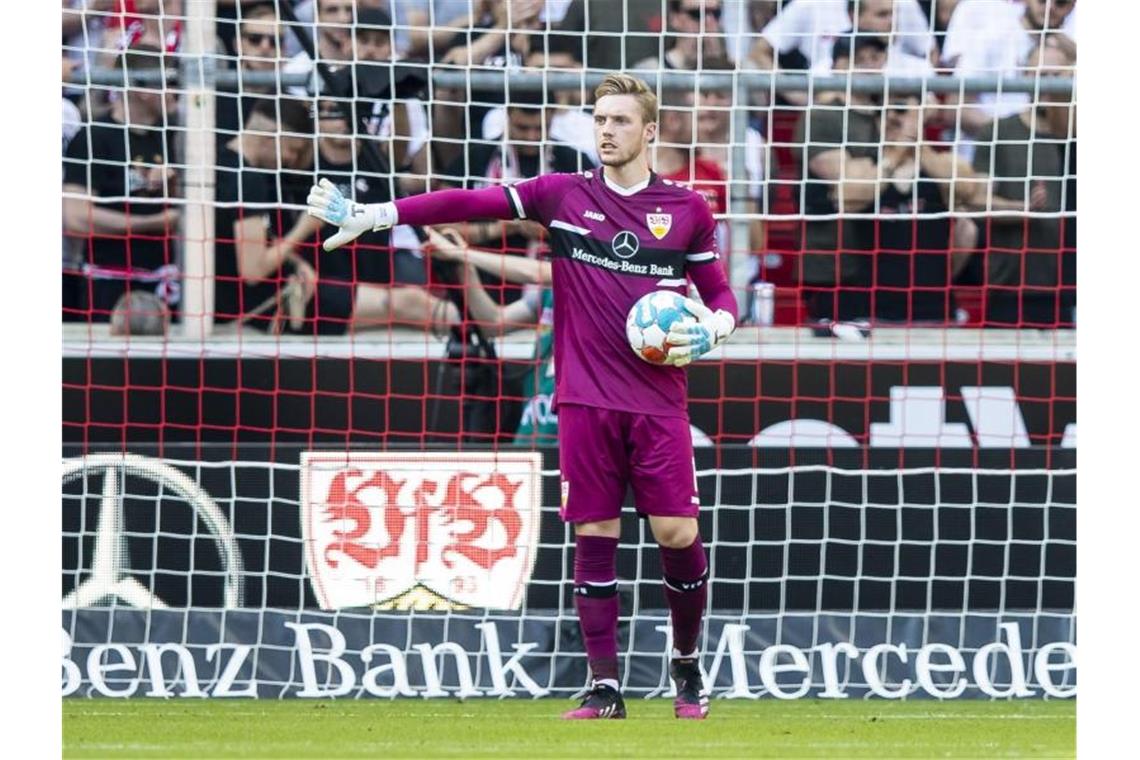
(626, 84)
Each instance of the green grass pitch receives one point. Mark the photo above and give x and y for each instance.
(531, 728)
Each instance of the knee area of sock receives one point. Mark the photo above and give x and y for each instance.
(688, 563)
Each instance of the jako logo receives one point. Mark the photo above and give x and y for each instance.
(595, 216)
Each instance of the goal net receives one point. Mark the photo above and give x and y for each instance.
(827, 581)
(290, 472)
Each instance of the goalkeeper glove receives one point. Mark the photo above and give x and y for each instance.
(326, 203)
(691, 340)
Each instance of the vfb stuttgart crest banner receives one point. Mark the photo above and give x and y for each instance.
(396, 529)
(659, 224)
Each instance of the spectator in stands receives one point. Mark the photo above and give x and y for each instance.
(714, 138)
(962, 235)
(139, 313)
(372, 35)
(694, 35)
(492, 33)
(996, 38)
(598, 38)
(354, 282)
(940, 13)
(839, 156)
(259, 42)
(72, 117)
(497, 34)
(566, 121)
(538, 423)
(676, 158)
(305, 10)
(435, 26)
(259, 275)
(523, 155)
(1069, 221)
(811, 29)
(715, 114)
(334, 23)
(480, 32)
(398, 119)
(150, 23)
(84, 20)
(134, 24)
(259, 49)
(128, 155)
(1024, 157)
(913, 235)
(743, 22)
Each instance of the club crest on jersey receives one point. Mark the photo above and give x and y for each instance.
(659, 224)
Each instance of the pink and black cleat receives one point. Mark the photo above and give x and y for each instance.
(600, 703)
(692, 702)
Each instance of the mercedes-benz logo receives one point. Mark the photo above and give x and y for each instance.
(107, 579)
(625, 244)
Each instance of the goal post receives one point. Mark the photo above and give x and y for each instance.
(197, 101)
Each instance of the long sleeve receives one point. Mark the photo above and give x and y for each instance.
(446, 206)
(713, 286)
(703, 264)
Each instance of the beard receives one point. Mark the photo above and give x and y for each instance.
(617, 157)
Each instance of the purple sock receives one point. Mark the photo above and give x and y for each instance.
(596, 599)
(685, 573)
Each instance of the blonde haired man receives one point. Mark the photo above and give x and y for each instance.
(616, 234)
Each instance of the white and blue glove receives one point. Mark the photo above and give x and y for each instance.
(691, 340)
(328, 204)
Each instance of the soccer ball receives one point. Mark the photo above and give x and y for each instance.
(649, 321)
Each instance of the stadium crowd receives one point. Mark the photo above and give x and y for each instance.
(887, 207)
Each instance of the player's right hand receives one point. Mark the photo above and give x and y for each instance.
(328, 204)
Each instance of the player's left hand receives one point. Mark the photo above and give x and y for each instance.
(691, 340)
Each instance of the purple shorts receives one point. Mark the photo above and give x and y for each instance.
(601, 451)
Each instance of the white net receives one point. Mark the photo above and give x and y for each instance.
(845, 576)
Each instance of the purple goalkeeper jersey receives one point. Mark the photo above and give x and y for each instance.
(610, 246)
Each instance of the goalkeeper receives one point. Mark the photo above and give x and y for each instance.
(615, 235)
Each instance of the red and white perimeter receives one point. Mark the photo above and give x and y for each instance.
(462, 525)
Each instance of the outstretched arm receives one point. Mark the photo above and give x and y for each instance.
(326, 202)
